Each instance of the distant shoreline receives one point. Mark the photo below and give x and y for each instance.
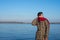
(28, 23)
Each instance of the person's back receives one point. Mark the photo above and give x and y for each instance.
(42, 27)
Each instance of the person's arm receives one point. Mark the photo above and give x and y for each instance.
(34, 22)
(47, 25)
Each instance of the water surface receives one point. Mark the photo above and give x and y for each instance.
(26, 32)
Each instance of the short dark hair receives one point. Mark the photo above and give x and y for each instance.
(39, 13)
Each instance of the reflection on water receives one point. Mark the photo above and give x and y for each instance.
(25, 32)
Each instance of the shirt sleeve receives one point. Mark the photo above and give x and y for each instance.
(47, 25)
(34, 22)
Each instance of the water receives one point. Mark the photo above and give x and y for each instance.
(26, 32)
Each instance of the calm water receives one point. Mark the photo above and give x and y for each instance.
(26, 32)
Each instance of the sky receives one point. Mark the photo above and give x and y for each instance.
(26, 10)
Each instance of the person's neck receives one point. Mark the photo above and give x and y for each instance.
(40, 16)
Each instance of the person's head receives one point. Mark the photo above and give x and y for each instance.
(40, 14)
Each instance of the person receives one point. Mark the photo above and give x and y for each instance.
(43, 26)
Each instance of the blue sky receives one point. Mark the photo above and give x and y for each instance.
(26, 10)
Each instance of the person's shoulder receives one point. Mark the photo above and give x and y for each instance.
(47, 20)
